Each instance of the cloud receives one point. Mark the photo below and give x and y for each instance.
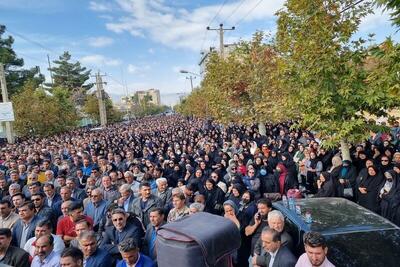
(182, 28)
(99, 60)
(375, 21)
(151, 51)
(100, 7)
(101, 41)
(134, 69)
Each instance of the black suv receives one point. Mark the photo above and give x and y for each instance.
(355, 235)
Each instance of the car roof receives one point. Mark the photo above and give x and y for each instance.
(335, 216)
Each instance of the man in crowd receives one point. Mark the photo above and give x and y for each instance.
(41, 209)
(17, 200)
(11, 255)
(71, 257)
(51, 196)
(82, 225)
(93, 256)
(7, 217)
(131, 255)
(120, 230)
(157, 219)
(141, 206)
(110, 191)
(260, 220)
(97, 207)
(24, 228)
(44, 227)
(276, 254)
(316, 251)
(76, 192)
(45, 254)
(127, 197)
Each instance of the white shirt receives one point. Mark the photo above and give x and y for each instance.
(273, 255)
(58, 245)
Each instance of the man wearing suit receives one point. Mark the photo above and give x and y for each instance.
(24, 228)
(277, 255)
(149, 242)
(12, 256)
(127, 197)
(141, 206)
(51, 196)
(77, 193)
(120, 231)
(93, 256)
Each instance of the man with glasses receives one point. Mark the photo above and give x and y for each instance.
(120, 230)
(97, 207)
(42, 210)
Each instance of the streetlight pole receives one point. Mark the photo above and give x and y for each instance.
(190, 76)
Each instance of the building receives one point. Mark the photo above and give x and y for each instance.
(153, 93)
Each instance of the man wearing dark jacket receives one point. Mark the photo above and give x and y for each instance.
(93, 255)
(156, 220)
(24, 228)
(120, 231)
(10, 255)
(277, 255)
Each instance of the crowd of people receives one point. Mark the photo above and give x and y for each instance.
(96, 197)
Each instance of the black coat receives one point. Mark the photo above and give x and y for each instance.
(214, 200)
(388, 200)
(16, 257)
(327, 189)
(370, 199)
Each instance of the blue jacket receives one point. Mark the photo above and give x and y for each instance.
(144, 261)
(100, 258)
(17, 231)
(96, 213)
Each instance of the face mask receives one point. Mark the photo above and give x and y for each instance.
(245, 200)
(389, 180)
(263, 172)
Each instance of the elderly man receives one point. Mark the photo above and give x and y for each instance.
(162, 191)
(77, 193)
(66, 194)
(45, 254)
(276, 254)
(12, 190)
(126, 199)
(97, 207)
(131, 181)
(7, 217)
(316, 251)
(10, 255)
(276, 221)
(131, 255)
(119, 231)
(110, 191)
(93, 256)
(44, 227)
(24, 228)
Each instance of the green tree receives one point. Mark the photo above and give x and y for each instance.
(72, 76)
(91, 108)
(325, 70)
(16, 76)
(37, 113)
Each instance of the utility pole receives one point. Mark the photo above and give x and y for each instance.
(4, 94)
(51, 73)
(191, 80)
(221, 36)
(102, 107)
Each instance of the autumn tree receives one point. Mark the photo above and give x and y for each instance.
(39, 113)
(91, 108)
(324, 70)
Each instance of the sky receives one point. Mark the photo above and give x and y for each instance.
(142, 44)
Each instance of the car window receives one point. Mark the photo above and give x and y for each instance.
(297, 236)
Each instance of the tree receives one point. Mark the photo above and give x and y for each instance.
(16, 76)
(394, 6)
(91, 108)
(71, 76)
(37, 113)
(325, 70)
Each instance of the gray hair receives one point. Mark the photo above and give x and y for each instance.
(276, 214)
(15, 186)
(128, 173)
(86, 235)
(160, 180)
(127, 245)
(49, 171)
(198, 206)
(125, 188)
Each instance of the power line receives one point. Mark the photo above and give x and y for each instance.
(350, 6)
(31, 41)
(234, 11)
(222, 6)
(249, 12)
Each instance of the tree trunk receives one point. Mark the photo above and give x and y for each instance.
(262, 129)
(344, 148)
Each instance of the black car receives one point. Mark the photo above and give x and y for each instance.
(355, 235)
